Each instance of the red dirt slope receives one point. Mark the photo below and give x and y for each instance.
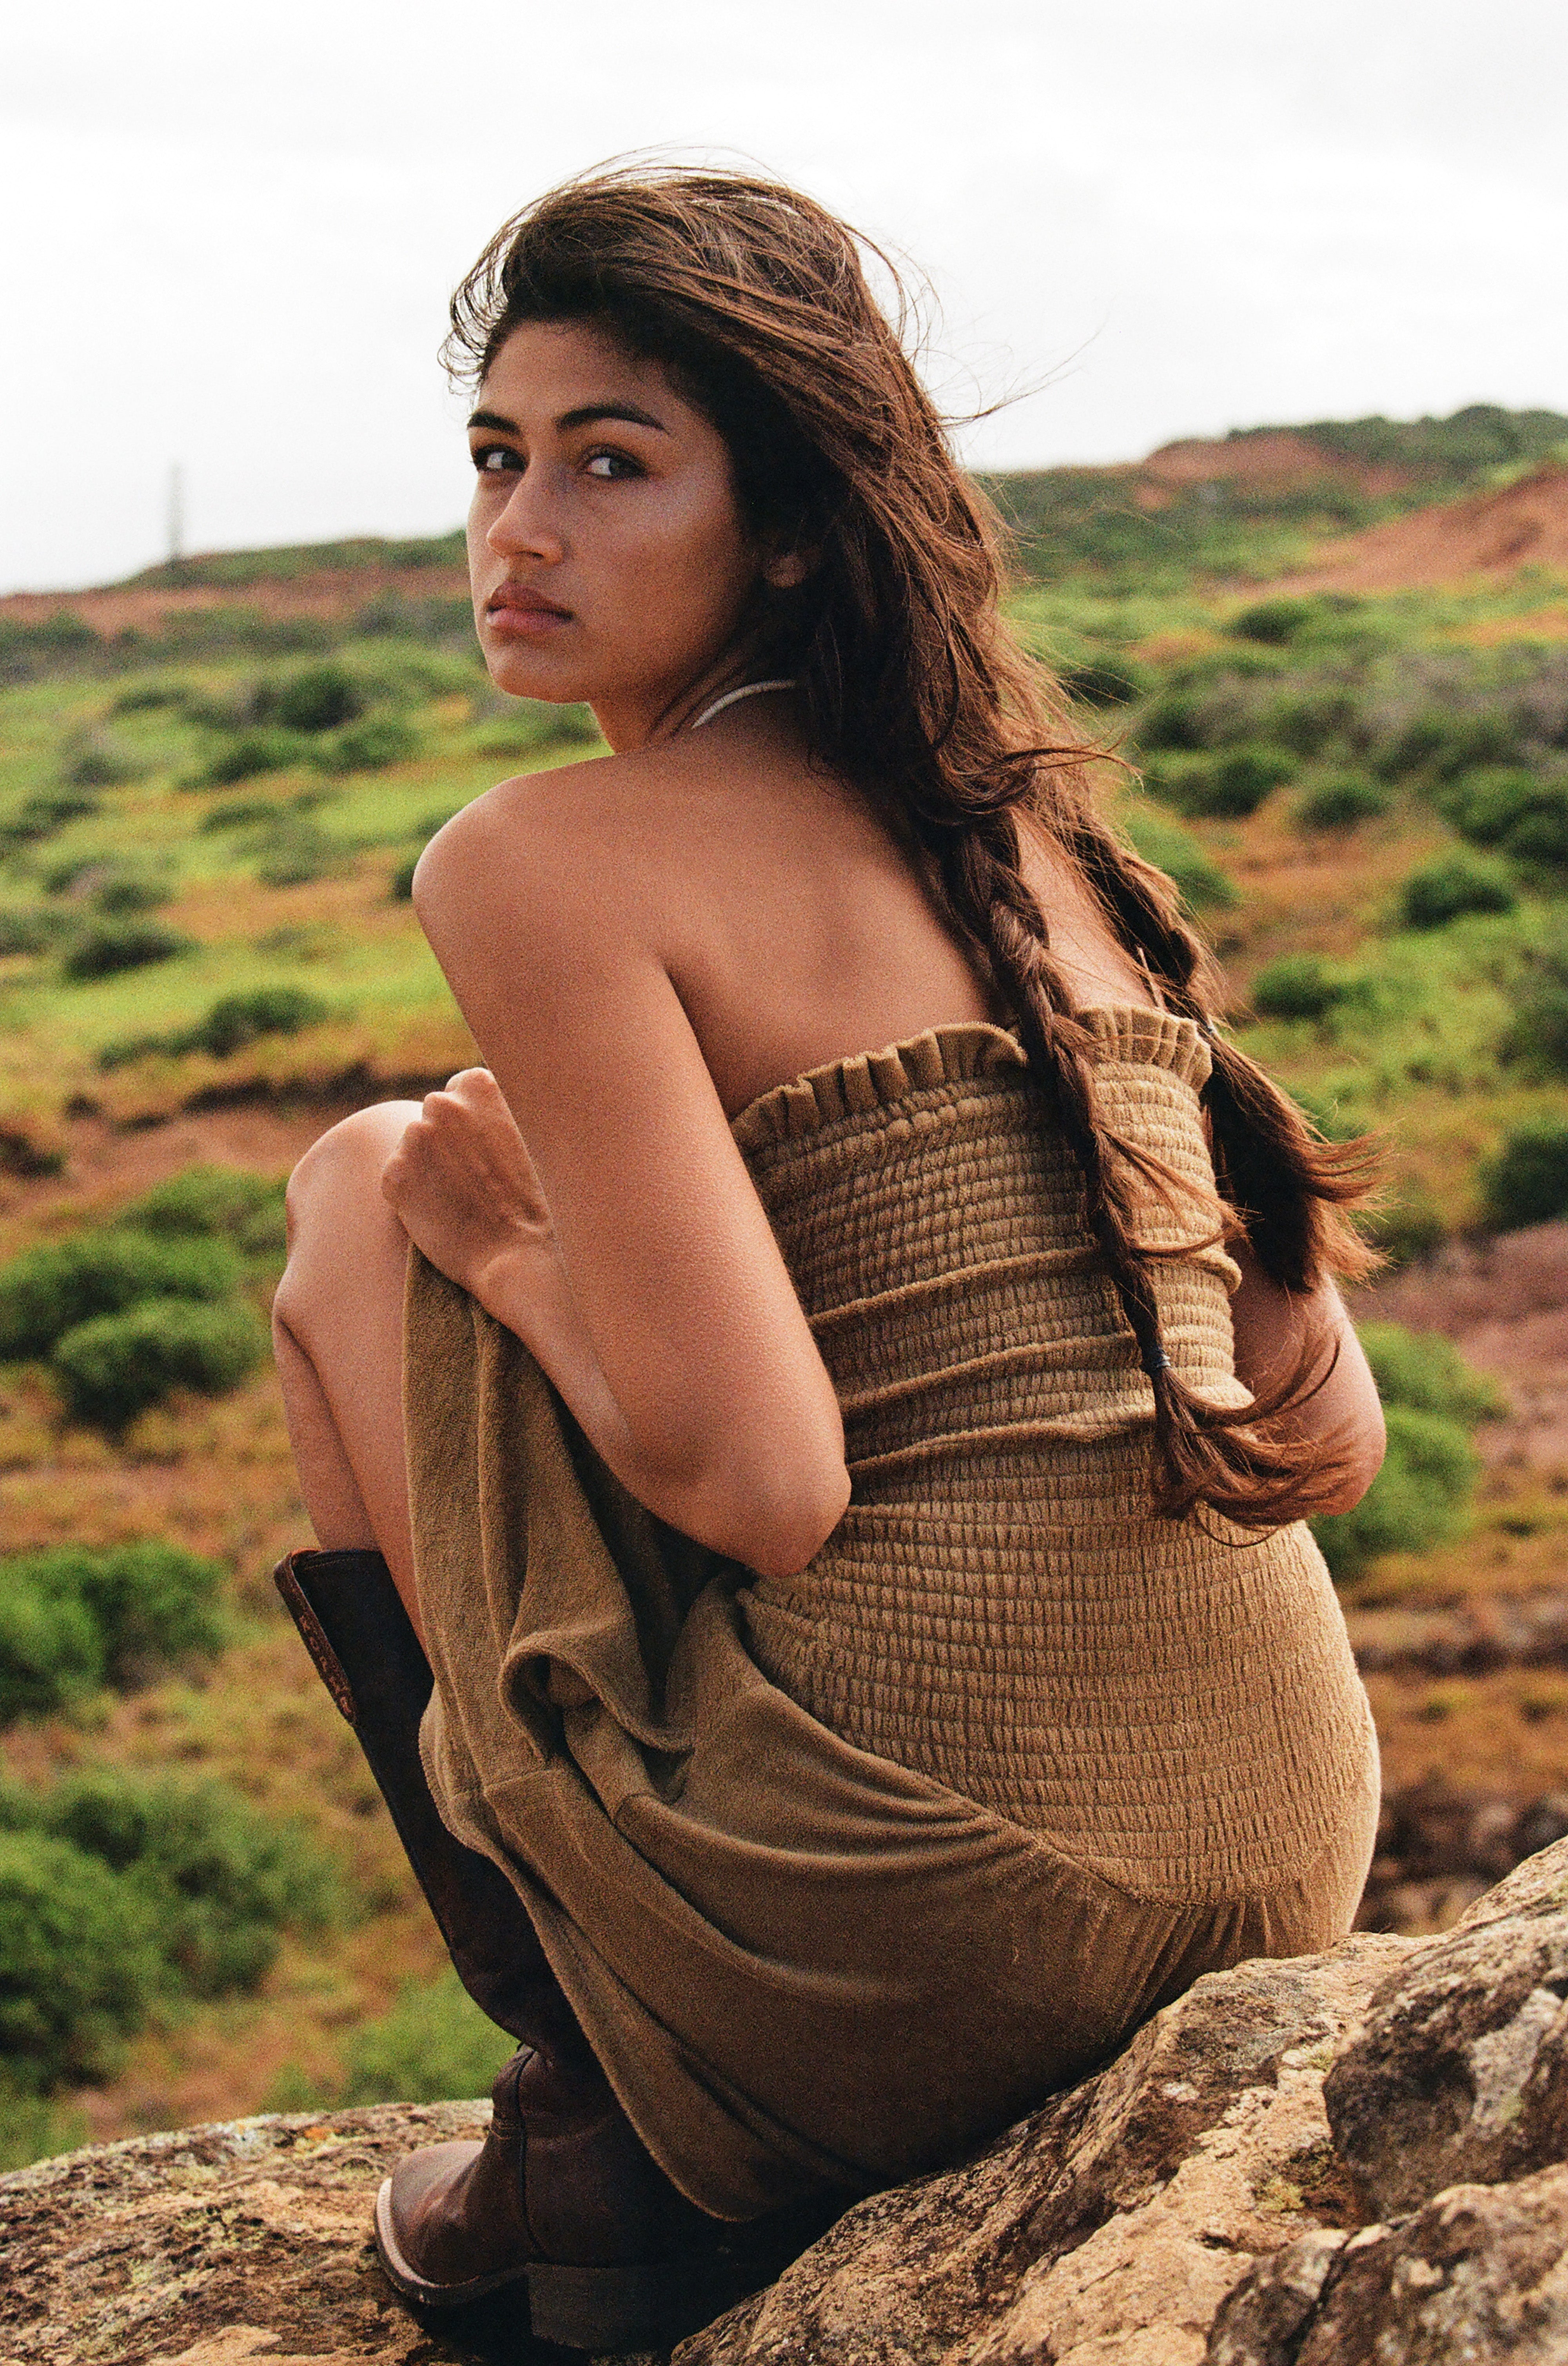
(330, 594)
(1492, 532)
(1277, 463)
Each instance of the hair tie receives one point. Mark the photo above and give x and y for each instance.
(1155, 1361)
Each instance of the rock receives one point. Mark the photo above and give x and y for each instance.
(1196, 2202)
(214, 2245)
(1110, 2226)
(1460, 2074)
(1480, 2275)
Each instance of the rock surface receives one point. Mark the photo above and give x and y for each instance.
(1353, 2156)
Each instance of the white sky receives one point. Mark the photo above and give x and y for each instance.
(231, 229)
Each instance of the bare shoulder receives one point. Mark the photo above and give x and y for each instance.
(612, 833)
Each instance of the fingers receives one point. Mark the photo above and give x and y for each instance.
(473, 1093)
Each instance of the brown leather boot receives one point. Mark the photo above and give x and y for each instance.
(562, 2200)
(352, 1623)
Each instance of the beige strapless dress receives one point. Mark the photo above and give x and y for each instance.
(843, 1872)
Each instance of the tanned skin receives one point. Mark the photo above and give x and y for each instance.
(642, 945)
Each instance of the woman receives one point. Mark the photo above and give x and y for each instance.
(840, 1442)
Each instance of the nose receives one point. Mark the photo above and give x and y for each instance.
(525, 525)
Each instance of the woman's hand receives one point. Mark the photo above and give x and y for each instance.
(465, 1189)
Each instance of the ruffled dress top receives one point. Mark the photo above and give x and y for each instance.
(844, 1870)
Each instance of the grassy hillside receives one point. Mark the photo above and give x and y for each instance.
(206, 954)
(1252, 506)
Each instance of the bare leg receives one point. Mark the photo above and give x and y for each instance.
(338, 1323)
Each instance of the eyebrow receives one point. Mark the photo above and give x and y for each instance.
(588, 414)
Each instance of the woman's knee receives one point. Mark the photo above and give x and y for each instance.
(343, 1234)
(343, 1168)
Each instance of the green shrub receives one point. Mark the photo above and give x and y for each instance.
(125, 891)
(1274, 621)
(1485, 802)
(90, 759)
(1235, 783)
(236, 1020)
(1443, 741)
(221, 1203)
(314, 698)
(243, 812)
(111, 1368)
(1178, 719)
(40, 816)
(110, 946)
(408, 677)
(1454, 885)
(1106, 682)
(1419, 1498)
(33, 2128)
(572, 726)
(115, 1891)
(435, 2045)
(1198, 879)
(113, 885)
(247, 754)
(1333, 1122)
(1406, 1227)
(1309, 721)
(295, 852)
(26, 928)
(51, 1646)
(1341, 801)
(372, 745)
(1426, 1372)
(223, 1879)
(48, 1292)
(1537, 1039)
(533, 724)
(1527, 1181)
(145, 697)
(79, 1963)
(73, 1619)
(1300, 986)
(1539, 840)
(1522, 812)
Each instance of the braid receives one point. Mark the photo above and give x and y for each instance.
(1286, 1184)
(1202, 1453)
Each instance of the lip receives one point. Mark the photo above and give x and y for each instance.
(516, 608)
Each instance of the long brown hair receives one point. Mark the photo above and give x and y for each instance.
(756, 302)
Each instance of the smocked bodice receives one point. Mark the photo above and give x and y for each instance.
(999, 1606)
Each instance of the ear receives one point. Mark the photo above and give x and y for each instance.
(787, 570)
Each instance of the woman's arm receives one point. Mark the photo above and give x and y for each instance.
(1279, 1331)
(657, 1301)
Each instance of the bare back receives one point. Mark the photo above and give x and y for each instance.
(794, 928)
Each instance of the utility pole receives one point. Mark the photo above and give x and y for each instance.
(177, 514)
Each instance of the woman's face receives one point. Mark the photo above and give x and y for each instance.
(607, 551)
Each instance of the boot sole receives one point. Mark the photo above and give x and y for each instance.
(626, 2306)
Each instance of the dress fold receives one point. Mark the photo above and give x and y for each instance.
(842, 1872)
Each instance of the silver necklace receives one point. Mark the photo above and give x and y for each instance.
(747, 690)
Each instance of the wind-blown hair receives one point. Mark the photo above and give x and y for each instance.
(757, 300)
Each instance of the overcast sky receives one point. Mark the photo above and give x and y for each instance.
(230, 230)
